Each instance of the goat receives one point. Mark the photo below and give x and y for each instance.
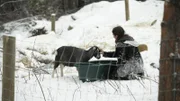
(69, 56)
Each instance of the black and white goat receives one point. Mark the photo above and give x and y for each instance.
(69, 56)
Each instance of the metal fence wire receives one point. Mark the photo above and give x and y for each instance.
(35, 82)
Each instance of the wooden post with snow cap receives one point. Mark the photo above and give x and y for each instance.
(53, 19)
(8, 68)
(127, 10)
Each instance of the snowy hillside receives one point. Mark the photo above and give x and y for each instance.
(90, 26)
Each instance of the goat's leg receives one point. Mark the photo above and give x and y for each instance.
(55, 70)
(53, 74)
(62, 73)
(56, 64)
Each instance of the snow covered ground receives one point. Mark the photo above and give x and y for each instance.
(92, 26)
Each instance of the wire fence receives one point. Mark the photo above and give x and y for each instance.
(34, 83)
(76, 90)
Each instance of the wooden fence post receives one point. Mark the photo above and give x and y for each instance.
(169, 79)
(127, 10)
(53, 19)
(8, 77)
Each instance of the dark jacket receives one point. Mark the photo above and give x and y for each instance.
(129, 57)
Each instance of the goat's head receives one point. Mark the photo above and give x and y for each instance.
(96, 52)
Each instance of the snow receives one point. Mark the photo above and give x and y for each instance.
(91, 25)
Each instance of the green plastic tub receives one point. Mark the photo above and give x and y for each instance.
(95, 70)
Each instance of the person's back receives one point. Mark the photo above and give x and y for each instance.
(129, 58)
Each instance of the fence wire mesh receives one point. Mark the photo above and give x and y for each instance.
(33, 81)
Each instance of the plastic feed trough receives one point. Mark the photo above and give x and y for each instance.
(95, 70)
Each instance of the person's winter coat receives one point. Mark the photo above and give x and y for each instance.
(129, 58)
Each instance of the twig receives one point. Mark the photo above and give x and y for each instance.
(118, 86)
(139, 80)
(76, 89)
(112, 86)
(99, 88)
(40, 86)
(74, 93)
(137, 76)
(61, 32)
(50, 94)
(131, 93)
(75, 81)
(150, 79)
(20, 52)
